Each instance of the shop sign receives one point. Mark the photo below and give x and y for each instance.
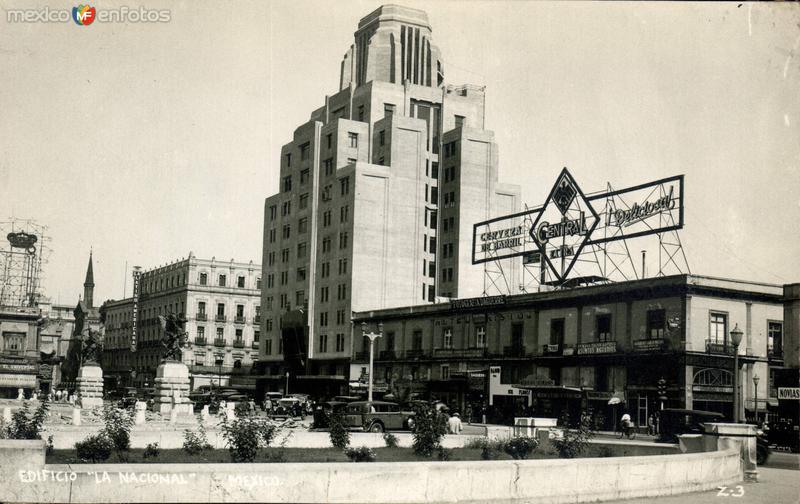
(18, 380)
(501, 239)
(711, 388)
(625, 217)
(648, 345)
(18, 368)
(598, 347)
(595, 395)
(568, 351)
(555, 394)
(789, 393)
(457, 304)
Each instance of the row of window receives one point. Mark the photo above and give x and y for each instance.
(323, 342)
(222, 280)
(341, 318)
(201, 334)
(201, 310)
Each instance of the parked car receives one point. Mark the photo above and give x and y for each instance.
(323, 411)
(674, 422)
(378, 416)
(203, 398)
(286, 407)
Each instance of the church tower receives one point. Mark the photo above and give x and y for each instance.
(88, 285)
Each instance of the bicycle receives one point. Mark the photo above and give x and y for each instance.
(626, 431)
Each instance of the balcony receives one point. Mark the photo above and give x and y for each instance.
(514, 351)
(714, 347)
(387, 355)
(220, 318)
(199, 368)
(201, 316)
(219, 342)
(200, 341)
(459, 352)
(238, 343)
(415, 353)
(239, 320)
(551, 349)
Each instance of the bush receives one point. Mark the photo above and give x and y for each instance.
(25, 425)
(520, 447)
(575, 440)
(390, 440)
(94, 449)
(490, 449)
(362, 454)
(429, 427)
(245, 436)
(339, 434)
(118, 424)
(151, 451)
(605, 451)
(194, 443)
(444, 454)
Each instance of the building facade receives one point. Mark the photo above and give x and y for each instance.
(583, 348)
(222, 304)
(378, 192)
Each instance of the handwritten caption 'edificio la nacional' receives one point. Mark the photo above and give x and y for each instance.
(101, 477)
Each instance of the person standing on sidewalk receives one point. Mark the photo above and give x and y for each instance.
(651, 425)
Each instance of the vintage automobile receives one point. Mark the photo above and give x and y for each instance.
(378, 416)
(286, 408)
(323, 411)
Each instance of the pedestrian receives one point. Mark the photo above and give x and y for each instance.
(651, 425)
(625, 422)
(251, 405)
(468, 412)
(268, 406)
(454, 424)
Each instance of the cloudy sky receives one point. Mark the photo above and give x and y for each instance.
(145, 141)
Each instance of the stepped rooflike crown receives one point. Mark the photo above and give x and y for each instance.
(393, 44)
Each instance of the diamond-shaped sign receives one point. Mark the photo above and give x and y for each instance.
(564, 225)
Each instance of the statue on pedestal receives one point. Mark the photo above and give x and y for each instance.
(174, 338)
(91, 347)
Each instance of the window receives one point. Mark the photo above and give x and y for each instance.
(285, 255)
(323, 343)
(390, 340)
(432, 244)
(480, 336)
(302, 225)
(258, 283)
(301, 274)
(328, 166)
(656, 324)
(460, 120)
(239, 334)
(271, 258)
(718, 327)
(239, 311)
(344, 213)
(14, 343)
(445, 370)
(272, 236)
(284, 301)
(340, 342)
(323, 295)
(222, 279)
(304, 150)
(326, 244)
(270, 281)
(434, 170)
(325, 269)
(288, 159)
(303, 201)
(326, 218)
(220, 333)
(287, 183)
(323, 319)
(604, 328)
(434, 217)
(435, 195)
(221, 310)
(256, 336)
(353, 139)
(240, 282)
(273, 212)
(268, 324)
(300, 298)
(284, 277)
(775, 338)
(343, 240)
(287, 231)
(388, 109)
(340, 317)
(286, 208)
(269, 302)
(201, 333)
(268, 347)
(432, 269)
(342, 266)
(341, 292)
(447, 338)
(329, 139)
(382, 137)
(304, 177)
(416, 340)
(345, 185)
(361, 113)
(557, 331)
(203, 278)
(431, 293)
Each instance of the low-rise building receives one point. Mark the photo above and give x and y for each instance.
(587, 348)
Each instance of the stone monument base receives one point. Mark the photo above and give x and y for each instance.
(172, 388)
(90, 386)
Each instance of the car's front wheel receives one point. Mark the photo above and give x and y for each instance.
(376, 427)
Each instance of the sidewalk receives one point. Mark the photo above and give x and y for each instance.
(775, 486)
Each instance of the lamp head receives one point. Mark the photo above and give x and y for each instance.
(363, 327)
(380, 327)
(755, 379)
(736, 335)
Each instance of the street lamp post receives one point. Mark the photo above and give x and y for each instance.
(372, 336)
(736, 339)
(755, 389)
(286, 393)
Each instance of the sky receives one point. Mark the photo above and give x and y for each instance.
(145, 141)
